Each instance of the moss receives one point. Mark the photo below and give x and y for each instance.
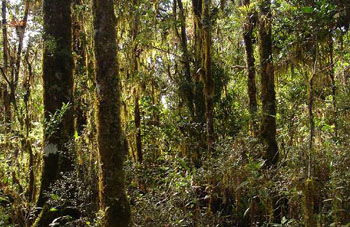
(309, 216)
(58, 86)
(268, 95)
(207, 77)
(111, 149)
(250, 65)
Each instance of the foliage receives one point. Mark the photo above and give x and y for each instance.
(232, 186)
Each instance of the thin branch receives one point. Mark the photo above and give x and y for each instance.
(327, 67)
(4, 75)
(164, 51)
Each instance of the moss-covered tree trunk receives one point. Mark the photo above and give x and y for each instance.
(199, 102)
(310, 104)
(197, 26)
(191, 88)
(5, 94)
(268, 96)
(206, 74)
(250, 67)
(187, 84)
(197, 93)
(112, 197)
(79, 48)
(58, 87)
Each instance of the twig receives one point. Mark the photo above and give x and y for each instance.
(4, 75)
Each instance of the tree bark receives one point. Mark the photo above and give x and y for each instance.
(187, 87)
(20, 29)
(138, 130)
(268, 96)
(135, 71)
(197, 12)
(250, 67)
(310, 110)
(58, 87)
(112, 197)
(199, 102)
(206, 74)
(311, 122)
(334, 86)
(79, 46)
(5, 92)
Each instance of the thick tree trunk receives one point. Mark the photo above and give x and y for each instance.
(58, 87)
(268, 99)
(199, 102)
(250, 67)
(113, 200)
(191, 87)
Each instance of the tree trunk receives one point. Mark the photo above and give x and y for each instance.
(250, 65)
(27, 141)
(4, 33)
(58, 87)
(79, 45)
(197, 12)
(135, 71)
(310, 110)
(311, 122)
(268, 99)
(199, 102)
(334, 86)
(5, 93)
(206, 74)
(20, 29)
(138, 130)
(187, 87)
(112, 197)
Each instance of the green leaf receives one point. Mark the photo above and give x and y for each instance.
(53, 209)
(76, 135)
(4, 199)
(307, 9)
(54, 197)
(244, 183)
